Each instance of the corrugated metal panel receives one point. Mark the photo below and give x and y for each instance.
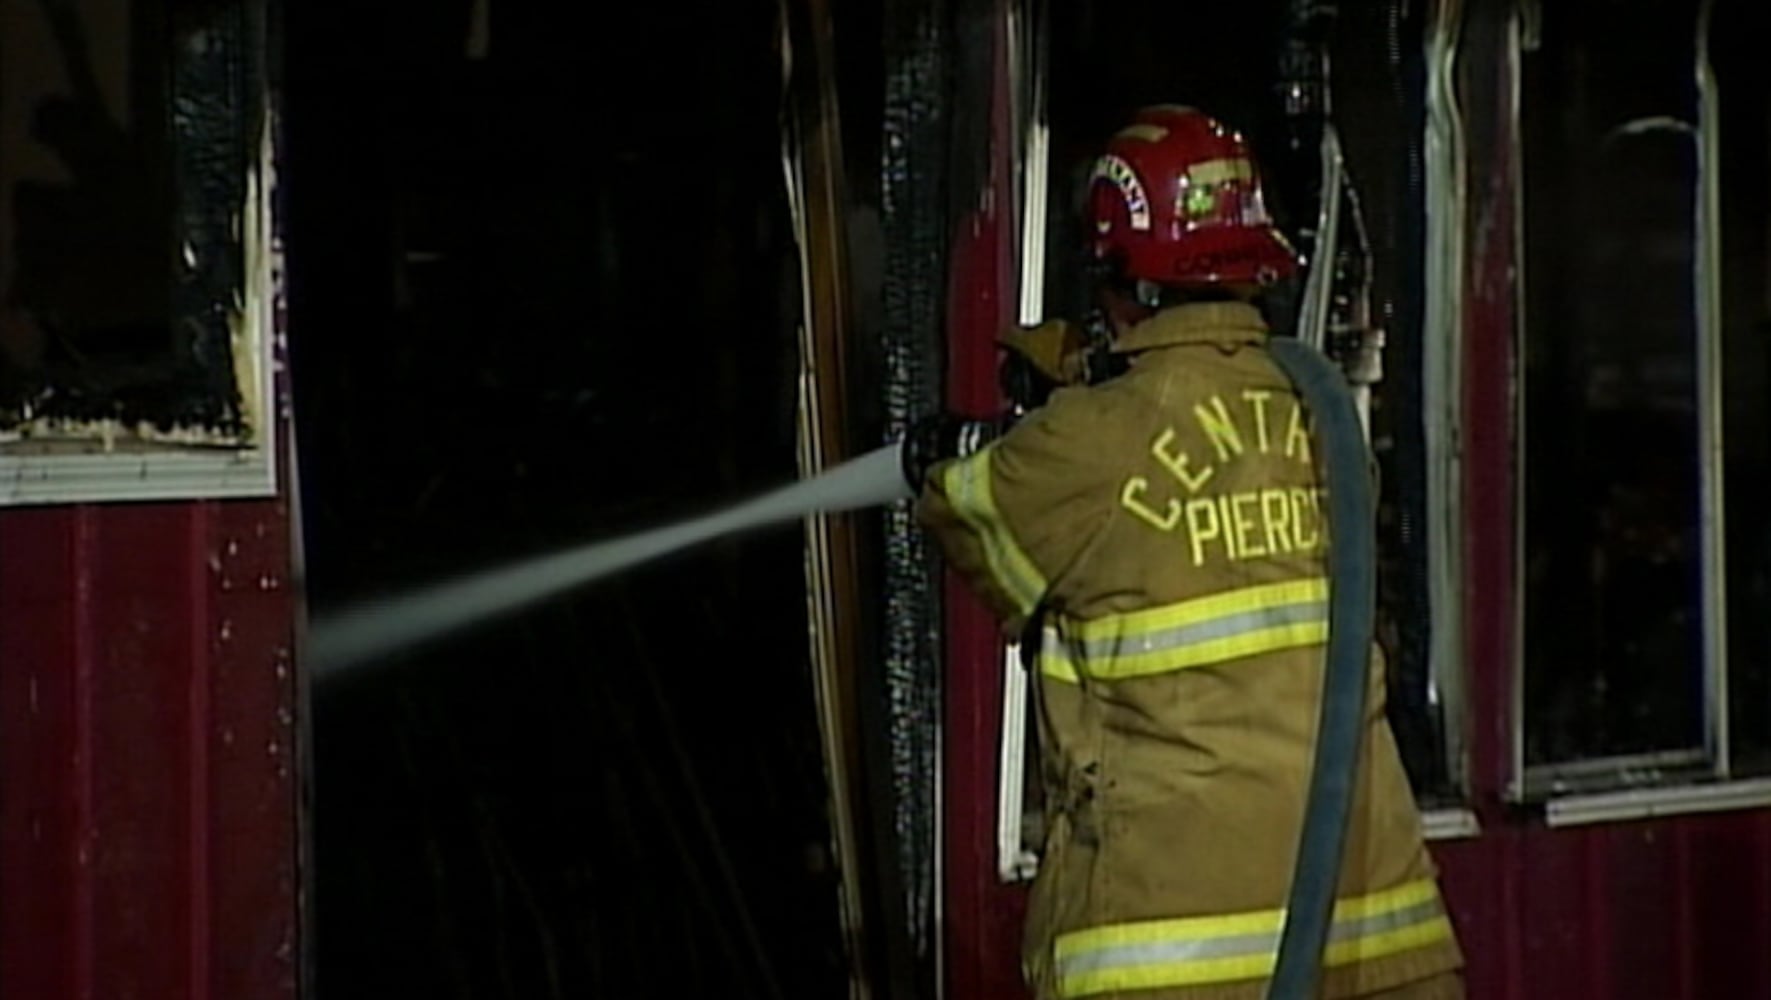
(983, 915)
(1675, 909)
(147, 802)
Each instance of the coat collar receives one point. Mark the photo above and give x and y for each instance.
(1223, 323)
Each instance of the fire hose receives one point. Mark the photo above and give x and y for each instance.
(1352, 612)
(1338, 409)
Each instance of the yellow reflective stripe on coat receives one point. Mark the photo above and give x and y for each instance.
(967, 485)
(1195, 950)
(1202, 631)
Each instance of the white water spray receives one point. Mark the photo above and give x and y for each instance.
(376, 628)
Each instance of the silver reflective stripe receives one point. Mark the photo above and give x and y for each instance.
(1201, 632)
(1235, 946)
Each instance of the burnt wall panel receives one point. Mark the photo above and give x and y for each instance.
(917, 118)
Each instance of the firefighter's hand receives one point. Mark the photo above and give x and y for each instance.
(942, 436)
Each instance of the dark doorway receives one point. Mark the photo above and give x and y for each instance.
(541, 265)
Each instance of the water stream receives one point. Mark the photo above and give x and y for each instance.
(365, 632)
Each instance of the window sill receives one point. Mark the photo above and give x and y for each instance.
(1449, 824)
(1651, 803)
(170, 474)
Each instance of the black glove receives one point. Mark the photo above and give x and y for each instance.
(1023, 383)
(942, 436)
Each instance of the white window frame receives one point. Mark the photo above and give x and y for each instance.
(1682, 780)
(1442, 347)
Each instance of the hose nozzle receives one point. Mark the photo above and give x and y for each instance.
(942, 436)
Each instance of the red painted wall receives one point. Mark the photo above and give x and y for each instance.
(1675, 909)
(147, 791)
(983, 917)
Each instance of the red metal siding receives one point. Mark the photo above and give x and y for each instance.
(983, 916)
(147, 804)
(1675, 908)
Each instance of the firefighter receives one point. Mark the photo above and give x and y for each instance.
(1161, 535)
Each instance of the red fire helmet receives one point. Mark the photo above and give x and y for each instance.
(1176, 200)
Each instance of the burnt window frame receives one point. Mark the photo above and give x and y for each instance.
(224, 262)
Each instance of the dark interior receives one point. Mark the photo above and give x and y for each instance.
(545, 297)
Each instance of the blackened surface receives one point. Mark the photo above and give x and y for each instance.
(538, 299)
(124, 273)
(917, 118)
(217, 75)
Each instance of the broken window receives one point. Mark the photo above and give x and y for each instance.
(134, 250)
